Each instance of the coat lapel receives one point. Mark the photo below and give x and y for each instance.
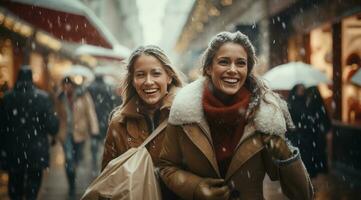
(203, 141)
(251, 145)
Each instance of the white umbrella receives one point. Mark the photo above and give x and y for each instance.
(356, 78)
(79, 70)
(284, 77)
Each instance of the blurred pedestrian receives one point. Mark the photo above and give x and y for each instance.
(304, 135)
(321, 127)
(28, 117)
(78, 120)
(105, 100)
(226, 131)
(148, 91)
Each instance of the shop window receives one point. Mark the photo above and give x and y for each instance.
(320, 58)
(351, 59)
(6, 66)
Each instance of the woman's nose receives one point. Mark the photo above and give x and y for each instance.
(232, 68)
(148, 80)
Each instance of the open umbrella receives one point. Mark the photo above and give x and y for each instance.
(284, 77)
(356, 79)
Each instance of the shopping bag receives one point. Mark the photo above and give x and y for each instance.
(130, 176)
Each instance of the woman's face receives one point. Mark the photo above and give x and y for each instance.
(228, 70)
(150, 79)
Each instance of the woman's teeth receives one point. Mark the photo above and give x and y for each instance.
(230, 80)
(149, 91)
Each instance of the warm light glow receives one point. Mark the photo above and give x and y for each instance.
(90, 60)
(16, 27)
(226, 2)
(9, 22)
(213, 11)
(26, 30)
(199, 16)
(78, 79)
(321, 46)
(351, 92)
(48, 41)
(58, 66)
(6, 64)
(2, 17)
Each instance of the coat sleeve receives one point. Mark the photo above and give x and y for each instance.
(52, 121)
(182, 182)
(93, 120)
(111, 149)
(291, 173)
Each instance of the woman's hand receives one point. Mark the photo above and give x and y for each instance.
(212, 189)
(277, 146)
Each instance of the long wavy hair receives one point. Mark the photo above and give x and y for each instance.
(252, 83)
(128, 90)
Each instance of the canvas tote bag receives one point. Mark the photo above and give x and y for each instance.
(130, 176)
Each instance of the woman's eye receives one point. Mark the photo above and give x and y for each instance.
(139, 75)
(157, 73)
(241, 63)
(223, 62)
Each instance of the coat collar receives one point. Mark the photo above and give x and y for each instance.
(131, 109)
(270, 118)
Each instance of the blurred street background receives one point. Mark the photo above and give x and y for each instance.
(316, 43)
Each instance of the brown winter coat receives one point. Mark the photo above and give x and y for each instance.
(188, 154)
(84, 116)
(128, 129)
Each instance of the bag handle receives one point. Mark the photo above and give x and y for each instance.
(154, 134)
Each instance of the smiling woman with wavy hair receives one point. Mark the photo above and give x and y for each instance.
(226, 131)
(148, 91)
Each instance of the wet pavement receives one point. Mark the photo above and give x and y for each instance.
(54, 186)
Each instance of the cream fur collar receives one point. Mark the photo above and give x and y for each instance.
(270, 118)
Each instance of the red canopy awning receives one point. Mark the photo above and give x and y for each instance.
(67, 20)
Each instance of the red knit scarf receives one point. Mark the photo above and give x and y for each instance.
(226, 122)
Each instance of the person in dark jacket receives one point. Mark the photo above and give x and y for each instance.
(105, 100)
(304, 135)
(28, 119)
(321, 126)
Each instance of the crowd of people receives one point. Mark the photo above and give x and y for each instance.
(225, 131)
(31, 121)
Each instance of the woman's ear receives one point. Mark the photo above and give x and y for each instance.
(208, 71)
(169, 81)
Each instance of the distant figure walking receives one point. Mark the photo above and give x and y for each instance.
(78, 120)
(321, 126)
(105, 100)
(28, 117)
(306, 135)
